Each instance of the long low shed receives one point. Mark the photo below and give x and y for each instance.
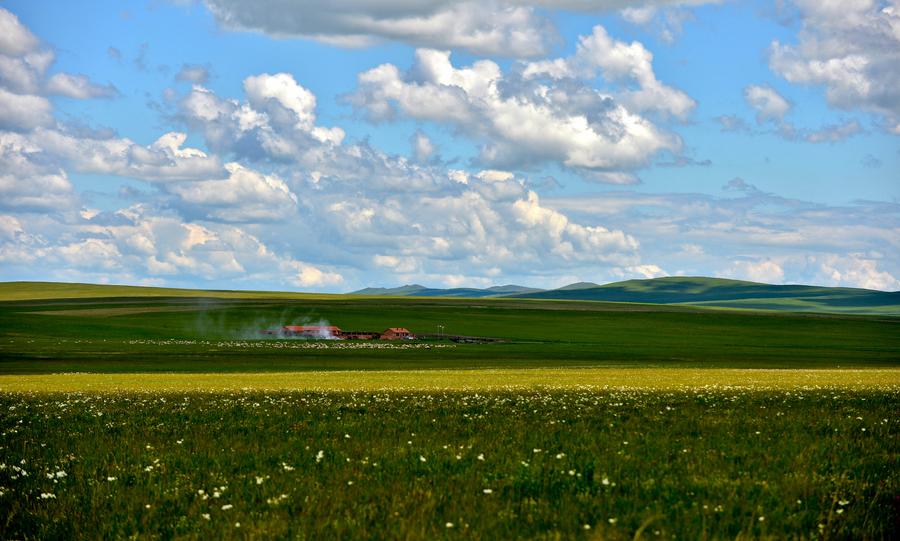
(331, 332)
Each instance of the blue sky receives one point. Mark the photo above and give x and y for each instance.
(260, 144)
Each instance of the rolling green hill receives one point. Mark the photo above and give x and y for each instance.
(694, 291)
(21, 291)
(722, 293)
(685, 291)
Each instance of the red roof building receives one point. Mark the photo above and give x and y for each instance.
(396, 333)
(312, 331)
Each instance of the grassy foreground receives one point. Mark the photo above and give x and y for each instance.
(701, 463)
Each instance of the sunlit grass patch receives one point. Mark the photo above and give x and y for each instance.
(486, 379)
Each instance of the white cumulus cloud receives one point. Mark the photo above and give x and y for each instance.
(244, 196)
(24, 112)
(617, 61)
(78, 86)
(15, 38)
(515, 28)
(521, 123)
(28, 184)
(422, 147)
(765, 271)
(768, 103)
(487, 27)
(277, 120)
(850, 48)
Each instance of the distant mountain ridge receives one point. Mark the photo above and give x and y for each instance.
(692, 290)
(408, 289)
(416, 290)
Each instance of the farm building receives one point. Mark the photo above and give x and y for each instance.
(312, 331)
(330, 332)
(396, 333)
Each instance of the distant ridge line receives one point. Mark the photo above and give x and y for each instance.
(720, 293)
(687, 290)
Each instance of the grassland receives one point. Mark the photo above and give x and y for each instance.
(18, 291)
(167, 416)
(671, 291)
(538, 464)
(204, 334)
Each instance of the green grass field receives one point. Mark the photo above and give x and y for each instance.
(209, 334)
(153, 414)
(539, 464)
(18, 291)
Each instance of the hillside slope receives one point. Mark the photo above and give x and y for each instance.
(24, 291)
(680, 291)
(723, 293)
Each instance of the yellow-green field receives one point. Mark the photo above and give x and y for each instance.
(464, 380)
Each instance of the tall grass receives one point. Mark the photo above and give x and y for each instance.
(701, 463)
